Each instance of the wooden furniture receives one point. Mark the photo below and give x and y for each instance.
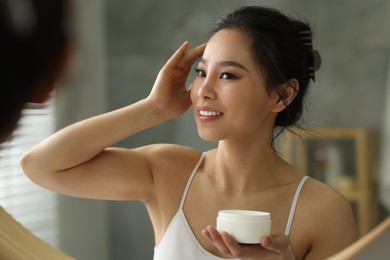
(374, 245)
(344, 158)
(18, 243)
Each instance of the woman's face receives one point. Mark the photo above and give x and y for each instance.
(229, 93)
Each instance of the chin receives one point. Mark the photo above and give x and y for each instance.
(208, 136)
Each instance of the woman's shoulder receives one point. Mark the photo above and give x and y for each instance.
(326, 217)
(170, 153)
(324, 202)
(322, 196)
(170, 160)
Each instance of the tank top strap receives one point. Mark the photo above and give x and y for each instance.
(294, 205)
(183, 198)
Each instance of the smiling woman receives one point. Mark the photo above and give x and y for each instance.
(252, 77)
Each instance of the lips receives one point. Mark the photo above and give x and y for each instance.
(208, 113)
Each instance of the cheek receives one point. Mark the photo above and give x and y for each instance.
(241, 101)
(249, 109)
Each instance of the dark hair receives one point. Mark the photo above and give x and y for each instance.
(33, 33)
(281, 47)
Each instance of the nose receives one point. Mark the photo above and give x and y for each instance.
(205, 89)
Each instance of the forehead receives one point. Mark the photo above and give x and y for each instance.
(229, 44)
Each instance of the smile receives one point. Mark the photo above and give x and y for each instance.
(209, 113)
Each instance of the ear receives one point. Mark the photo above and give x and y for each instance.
(285, 95)
(46, 85)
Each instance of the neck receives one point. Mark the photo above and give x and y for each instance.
(243, 167)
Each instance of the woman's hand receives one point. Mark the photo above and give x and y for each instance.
(271, 247)
(169, 94)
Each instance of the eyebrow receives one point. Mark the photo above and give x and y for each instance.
(226, 63)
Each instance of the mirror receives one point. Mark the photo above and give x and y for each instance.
(119, 48)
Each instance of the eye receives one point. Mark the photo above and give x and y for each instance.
(227, 75)
(200, 73)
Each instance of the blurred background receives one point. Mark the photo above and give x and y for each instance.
(119, 47)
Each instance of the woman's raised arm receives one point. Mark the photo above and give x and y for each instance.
(77, 161)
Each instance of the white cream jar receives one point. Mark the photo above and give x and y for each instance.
(245, 226)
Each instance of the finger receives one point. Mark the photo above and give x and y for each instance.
(189, 58)
(217, 240)
(276, 243)
(179, 65)
(178, 55)
(183, 56)
(192, 55)
(233, 246)
(206, 234)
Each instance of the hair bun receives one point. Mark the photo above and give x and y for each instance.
(316, 60)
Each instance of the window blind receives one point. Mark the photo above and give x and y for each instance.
(34, 207)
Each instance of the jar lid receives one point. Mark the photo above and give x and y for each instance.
(244, 215)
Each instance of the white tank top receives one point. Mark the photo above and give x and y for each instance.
(179, 243)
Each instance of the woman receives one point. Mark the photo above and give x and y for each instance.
(252, 77)
(34, 49)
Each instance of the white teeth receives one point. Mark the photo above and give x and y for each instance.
(209, 113)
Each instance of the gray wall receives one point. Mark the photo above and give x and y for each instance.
(352, 37)
(84, 227)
